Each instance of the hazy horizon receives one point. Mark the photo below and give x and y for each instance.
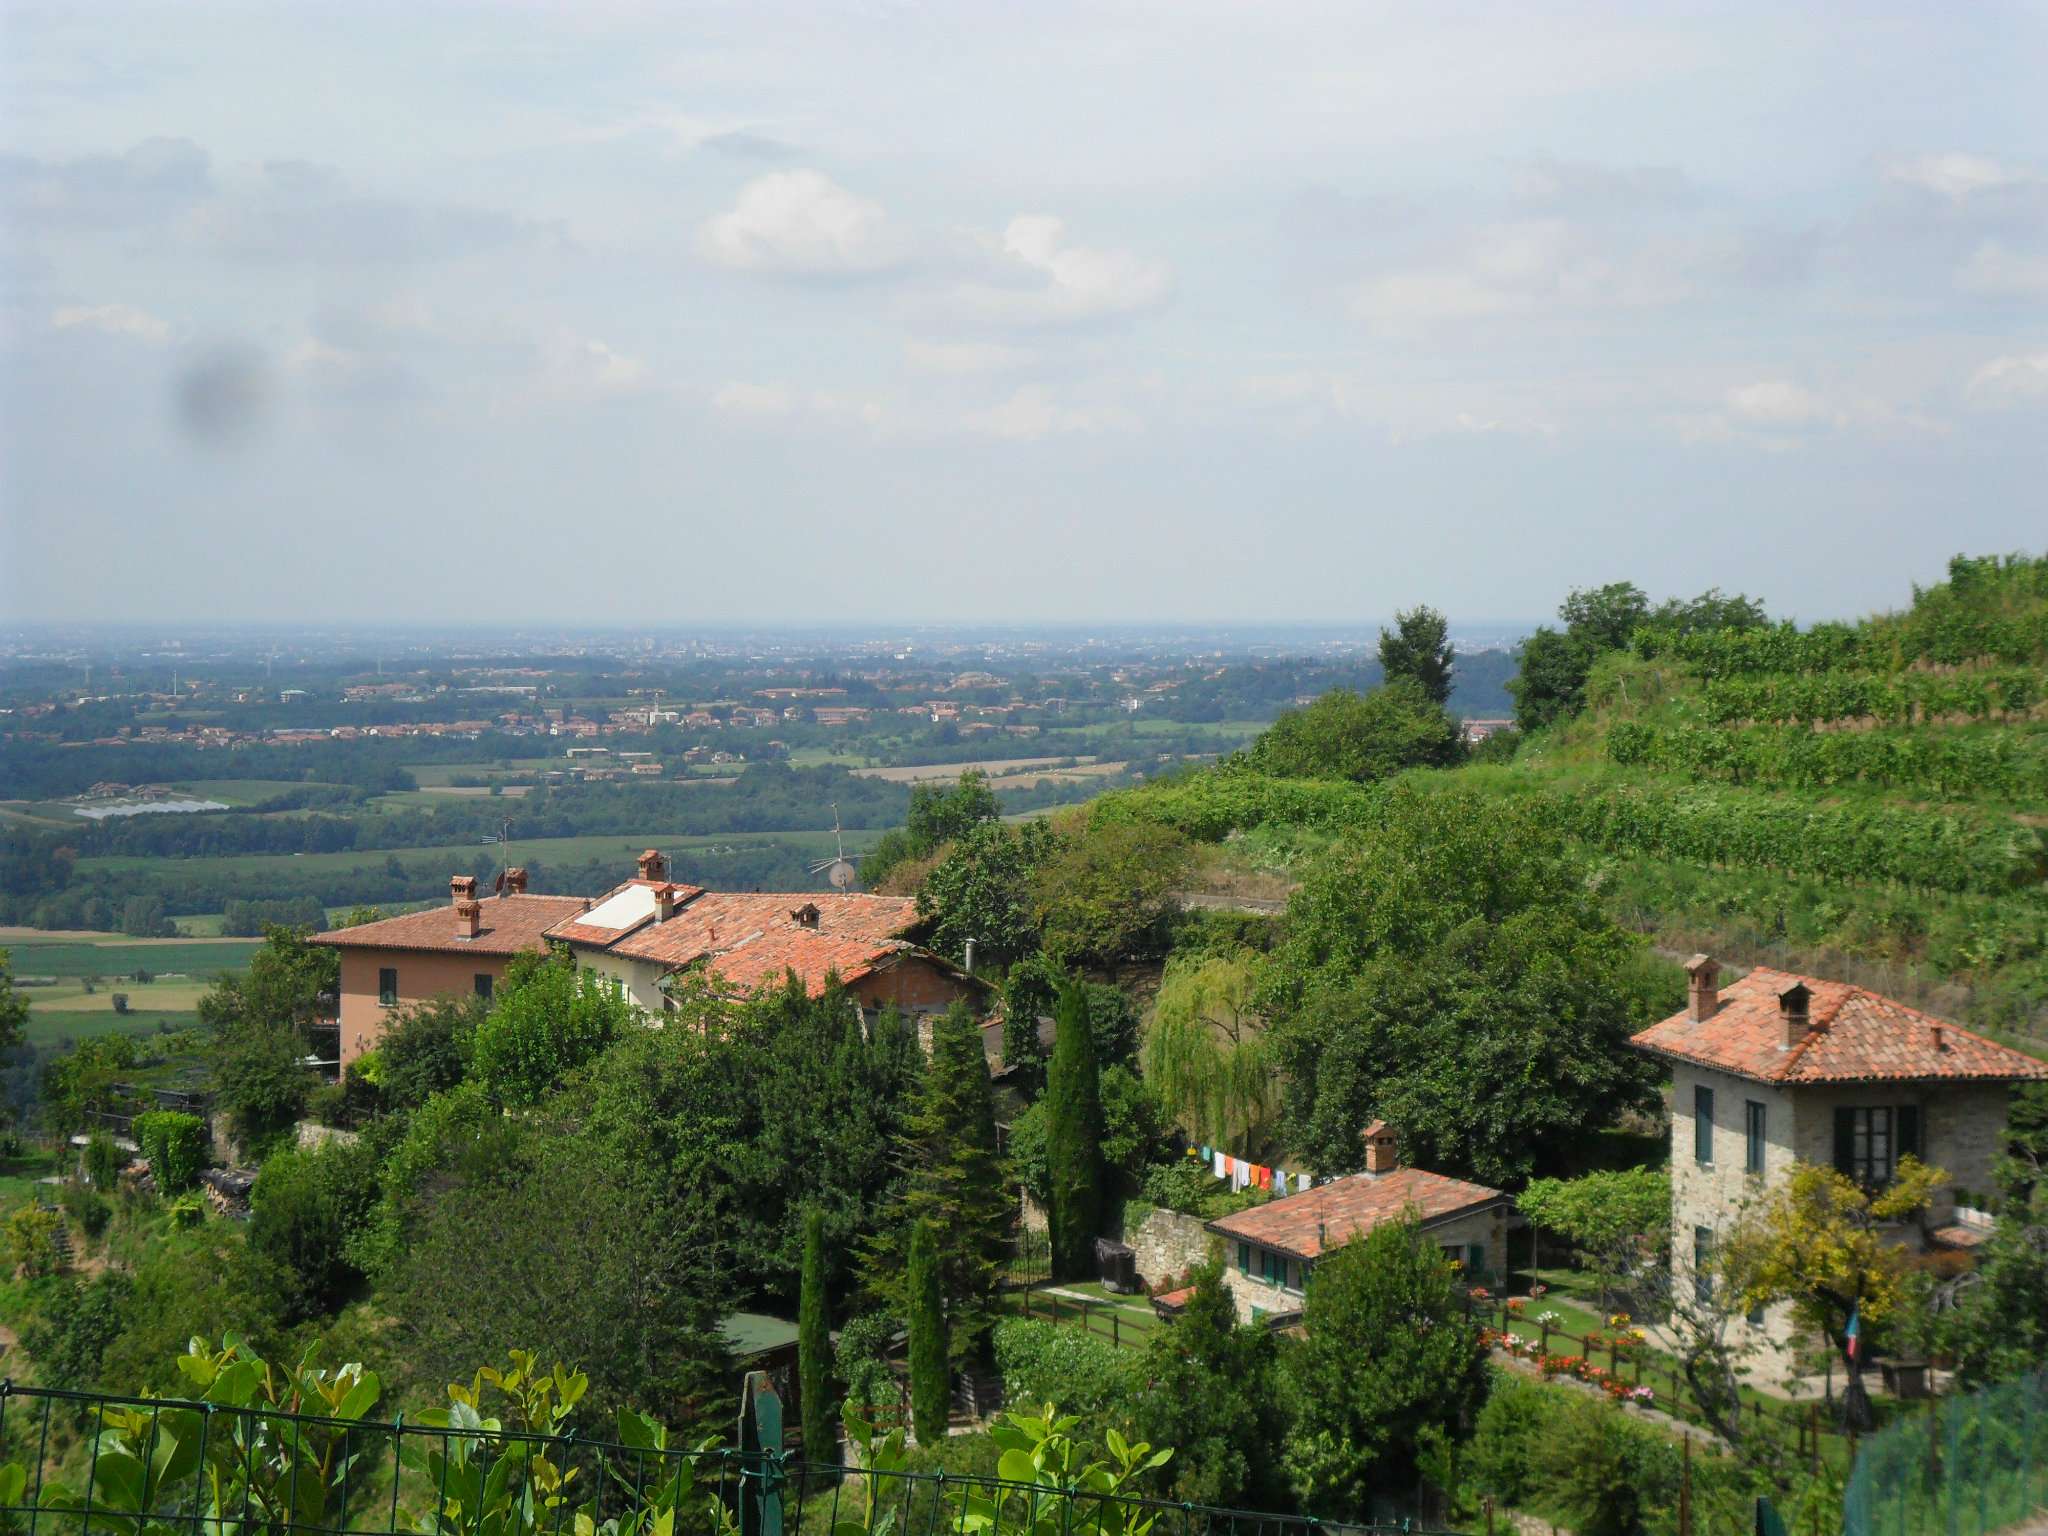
(878, 314)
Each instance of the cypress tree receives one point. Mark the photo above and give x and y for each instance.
(814, 1345)
(1073, 1138)
(930, 1374)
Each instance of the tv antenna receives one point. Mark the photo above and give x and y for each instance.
(503, 843)
(837, 870)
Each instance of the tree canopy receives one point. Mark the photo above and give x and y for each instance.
(1361, 737)
(1418, 650)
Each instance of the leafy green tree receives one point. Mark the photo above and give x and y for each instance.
(1132, 1135)
(943, 815)
(1109, 894)
(931, 1383)
(13, 1006)
(259, 1023)
(1208, 1053)
(259, 1075)
(73, 1327)
(84, 1081)
(814, 1346)
(1387, 1354)
(102, 1162)
(1073, 1096)
(1210, 1390)
(426, 1049)
(305, 1214)
(1362, 737)
(1448, 971)
(1418, 649)
(550, 1019)
(1606, 616)
(982, 892)
(176, 1145)
(1550, 680)
(1618, 1221)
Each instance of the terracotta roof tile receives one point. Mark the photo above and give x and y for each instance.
(1853, 1035)
(509, 925)
(1304, 1225)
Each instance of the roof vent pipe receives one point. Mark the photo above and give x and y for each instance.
(969, 966)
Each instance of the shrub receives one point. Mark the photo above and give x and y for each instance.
(1504, 1445)
(305, 1216)
(1050, 1363)
(102, 1162)
(176, 1145)
(88, 1210)
(1182, 1185)
(32, 1241)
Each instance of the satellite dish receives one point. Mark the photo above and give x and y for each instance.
(838, 870)
(840, 874)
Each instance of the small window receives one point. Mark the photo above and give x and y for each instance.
(387, 986)
(1703, 1263)
(1753, 1136)
(1244, 1258)
(1702, 1125)
(483, 985)
(1864, 1147)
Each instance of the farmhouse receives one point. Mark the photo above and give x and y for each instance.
(1779, 1068)
(651, 928)
(454, 951)
(1270, 1250)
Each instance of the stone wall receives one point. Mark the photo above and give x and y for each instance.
(311, 1134)
(1168, 1244)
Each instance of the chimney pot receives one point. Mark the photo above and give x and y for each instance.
(652, 865)
(1940, 1038)
(461, 888)
(1382, 1151)
(468, 918)
(664, 903)
(1792, 1018)
(515, 880)
(1702, 988)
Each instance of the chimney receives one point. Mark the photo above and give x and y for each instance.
(468, 917)
(1381, 1153)
(664, 903)
(461, 888)
(652, 866)
(1940, 1038)
(1702, 988)
(515, 880)
(1792, 1015)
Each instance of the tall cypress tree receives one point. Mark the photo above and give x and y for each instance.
(930, 1374)
(814, 1345)
(1073, 1137)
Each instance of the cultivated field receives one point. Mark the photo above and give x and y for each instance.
(994, 767)
(69, 953)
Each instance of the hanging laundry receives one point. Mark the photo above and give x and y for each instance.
(1208, 1153)
(1280, 1180)
(1222, 1166)
(1302, 1183)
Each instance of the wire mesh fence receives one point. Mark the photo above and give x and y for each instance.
(1968, 1466)
(94, 1464)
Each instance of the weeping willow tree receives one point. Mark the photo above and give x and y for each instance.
(1207, 1055)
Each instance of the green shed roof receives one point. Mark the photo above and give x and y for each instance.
(748, 1334)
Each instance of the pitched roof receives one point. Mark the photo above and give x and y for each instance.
(762, 958)
(508, 925)
(1853, 1035)
(620, 911)
(1306, 1224)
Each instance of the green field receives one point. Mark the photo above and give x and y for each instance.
(60, 1027)
(461, 855)
(69, 956)
(238, 792)
(425, 774)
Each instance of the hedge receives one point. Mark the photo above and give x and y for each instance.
(1082, 1372)
(175, 1144)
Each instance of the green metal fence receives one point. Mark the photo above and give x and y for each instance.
(1967, 1466)
(92, 1464)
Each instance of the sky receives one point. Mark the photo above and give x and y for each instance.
(835, 313)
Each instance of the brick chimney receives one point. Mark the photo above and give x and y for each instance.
(652, 866)
(515, 880)
(468, 917)
(805, 916)
(461, 888)
(1381, 1151)
(1792, 1023)
(1702, 988)
(664, 903)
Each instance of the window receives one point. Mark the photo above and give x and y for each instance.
(1702, 1125)
(1869, 1142)
(483, 985)
(1703, 1263)
(1244, 1258)
(1753, 1137)
(387, 987)
(1273, 1267)
(1475, 1260)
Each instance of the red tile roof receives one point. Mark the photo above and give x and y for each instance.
(1853, 1035)
(577, 932)
(509, 925)
(1325, 1217)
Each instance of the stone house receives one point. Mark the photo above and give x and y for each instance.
(1270, 1250)
(1778, 1069)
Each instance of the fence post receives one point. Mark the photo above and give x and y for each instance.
(760, 1457)
(1685, 1490)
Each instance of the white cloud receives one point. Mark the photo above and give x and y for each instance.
(1779, 403)
(1998, 269)
(743, 399)
(957, 357)
(1956, 176)
(112, 320)
(1039, 278)
(583, 365)
(1032, 413)
(801, 223)
(2011, 380)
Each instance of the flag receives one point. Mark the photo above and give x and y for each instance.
(1851, 1335)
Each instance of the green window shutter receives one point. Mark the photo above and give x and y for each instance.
(1908, 1122)
(1475, 1260)
(1845, 1142)
(1244, 1258)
